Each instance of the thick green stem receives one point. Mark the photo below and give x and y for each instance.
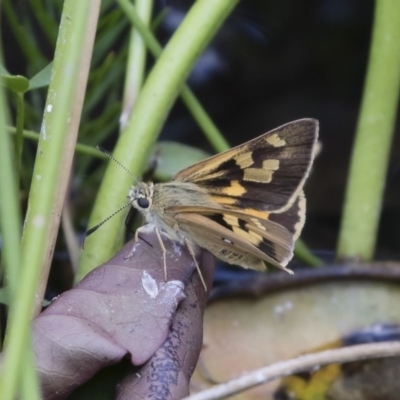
(373, 137)
(149, 114)
(199, 114)
(50, 176)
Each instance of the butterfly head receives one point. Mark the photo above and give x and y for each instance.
(141, 196)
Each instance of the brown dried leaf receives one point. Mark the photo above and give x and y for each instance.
(123, 308)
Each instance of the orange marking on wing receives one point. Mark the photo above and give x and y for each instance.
(235, 190)
(256, 213)
(223, 200)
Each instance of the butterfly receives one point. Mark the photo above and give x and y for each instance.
(245, 205)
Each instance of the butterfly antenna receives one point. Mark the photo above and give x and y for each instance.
(111, 157)
(91, 230)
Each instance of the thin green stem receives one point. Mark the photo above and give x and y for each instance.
(80, 148)
(50, 176)
(136, 62)
(212, 133)
(10, 217)
(20, 116)
(151, 109)
(375, 128)
(303, 253)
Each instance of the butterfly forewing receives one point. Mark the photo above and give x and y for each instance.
(265, 174)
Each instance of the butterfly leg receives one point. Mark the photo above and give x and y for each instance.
(164, 250)
(193, 254)
(142, 229)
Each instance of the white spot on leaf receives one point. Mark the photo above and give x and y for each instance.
(149, 285)
(38, 221)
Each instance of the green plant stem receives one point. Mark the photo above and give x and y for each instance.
(50, 176)
(200, 116)
(30, 389)
(79, 147)
(10, 216)
(136, 62)
(375, 128)
(303, 253)
(10, 225)
(149, 114)
(19, 132)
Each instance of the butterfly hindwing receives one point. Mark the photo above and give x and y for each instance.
(237, 237)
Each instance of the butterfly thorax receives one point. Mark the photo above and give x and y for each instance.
(160, 203)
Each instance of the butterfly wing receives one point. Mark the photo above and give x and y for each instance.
(263, 175)
(240, 238)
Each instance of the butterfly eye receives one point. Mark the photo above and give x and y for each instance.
(143, 202)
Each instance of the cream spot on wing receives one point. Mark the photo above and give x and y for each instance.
(244, 160)
(275, 140)
(271, 164)
(235, 189)
(257, 175)
(264, 174)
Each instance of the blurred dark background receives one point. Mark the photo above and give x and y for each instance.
(273, 61)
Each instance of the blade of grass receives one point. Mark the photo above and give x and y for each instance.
(373, 139)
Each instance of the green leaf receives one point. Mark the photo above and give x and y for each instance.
(42, 78)
(174, 157)
(16, 83)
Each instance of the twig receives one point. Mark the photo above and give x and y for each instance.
(259, 284)
(299, 364)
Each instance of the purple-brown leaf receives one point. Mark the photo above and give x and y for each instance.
(125, 308)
